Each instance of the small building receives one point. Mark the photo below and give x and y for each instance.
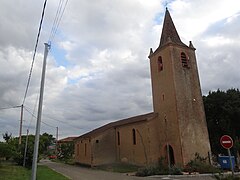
(65, 147)
(66, 140)
(175, 130)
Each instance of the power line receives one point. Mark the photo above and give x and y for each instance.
(48, 125)
(64, 122)
(57, 19)
(35, 50)
(30, 112)
(4, 108)
(46, 116)
(36, 118)
(33, 112)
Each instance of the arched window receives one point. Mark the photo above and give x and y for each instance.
(160, 64)
(184, 60)
(134, 136)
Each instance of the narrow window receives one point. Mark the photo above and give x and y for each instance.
(184, 60)
(118, 138)
(134, 136)
(85, 149)
(97, 141)
(78, 149)
(160, 64)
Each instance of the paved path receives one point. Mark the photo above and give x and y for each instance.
(81, 173)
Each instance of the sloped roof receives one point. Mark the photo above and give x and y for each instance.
(169, 32)
(118, 123)
(67, 139)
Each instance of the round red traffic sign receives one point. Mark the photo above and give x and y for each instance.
(226, 141)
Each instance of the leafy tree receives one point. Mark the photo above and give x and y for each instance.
(222, 110)
(7, 136)
(65, 151)
(5, 150)
(18, 150)
(45, 141)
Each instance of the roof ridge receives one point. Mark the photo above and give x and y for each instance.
(121, 122)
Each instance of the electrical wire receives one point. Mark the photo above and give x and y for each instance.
(33, 112)
(33, 115)
(64, 122)
(46, 116)
(57, 19)
(48, 124)
(36, 118)
(3, 108)
(35, 50)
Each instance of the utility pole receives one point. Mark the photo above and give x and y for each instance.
(20, 129)
(25, 150)
(57, 134)
(56, 144)
(36, 142)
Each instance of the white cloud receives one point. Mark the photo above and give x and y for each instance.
(194, 17)
(218, 41)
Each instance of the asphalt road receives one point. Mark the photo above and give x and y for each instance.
(81, 173)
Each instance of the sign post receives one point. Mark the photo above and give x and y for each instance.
(227, 143)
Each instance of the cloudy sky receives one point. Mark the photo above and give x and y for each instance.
(97, 69)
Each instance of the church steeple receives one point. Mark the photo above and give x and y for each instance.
(169, 31)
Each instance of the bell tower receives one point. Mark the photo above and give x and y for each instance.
(177, 98)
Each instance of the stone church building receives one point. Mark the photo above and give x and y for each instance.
(175, 130)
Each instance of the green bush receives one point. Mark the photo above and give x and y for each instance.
(148, 171)
(200, 165)
(5, 151)
(160, 169)
(65, 151)
(174, 170)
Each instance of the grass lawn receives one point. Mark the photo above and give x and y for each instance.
(13, 172)
(44, 173)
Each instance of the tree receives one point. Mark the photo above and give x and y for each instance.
(5, 150)
(45, 141)
(18, 150)
(222, 110)
(7, 136)
(65, 151)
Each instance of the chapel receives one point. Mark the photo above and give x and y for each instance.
(174, 131)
